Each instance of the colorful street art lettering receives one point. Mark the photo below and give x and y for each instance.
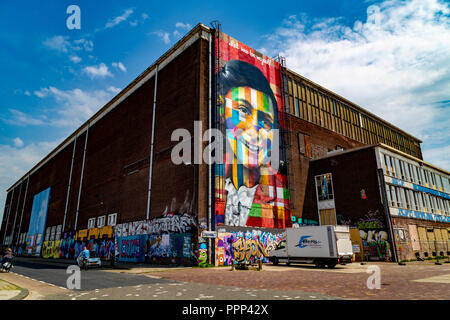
(248, 251)
(170, 223)
(245, 247)
(131, 248)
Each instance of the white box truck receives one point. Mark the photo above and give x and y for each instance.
(321, 245)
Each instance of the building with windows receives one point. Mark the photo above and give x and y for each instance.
(113, 181)
(398, 204)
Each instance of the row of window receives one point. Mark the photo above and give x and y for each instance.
(112, 220)
(316, 107)
(404, 198)
(403, 170)
(53, 233)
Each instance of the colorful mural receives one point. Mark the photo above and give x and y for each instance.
(245, 247)
(38, 219)
(132, 248)
(250, 189)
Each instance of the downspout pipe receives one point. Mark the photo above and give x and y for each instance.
(23, 205)
(7, 217)
(81, 177)
(152, 145)
(17, 211)
(70, 184)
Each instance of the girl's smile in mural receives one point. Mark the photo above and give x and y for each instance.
(249, 117)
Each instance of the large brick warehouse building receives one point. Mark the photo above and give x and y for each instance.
(113, 184)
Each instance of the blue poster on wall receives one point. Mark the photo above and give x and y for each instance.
(132, 248)
(37, 222)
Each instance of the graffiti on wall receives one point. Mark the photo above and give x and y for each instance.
(170, 248)
(51, 249)
(202, 253)
(131, 248)
(245, 247)
(372, 220)
(169, 223)
(248, 251)
(251, 189)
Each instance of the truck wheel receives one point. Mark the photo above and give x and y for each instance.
(319, 264)
(331, 265)
(275, 261)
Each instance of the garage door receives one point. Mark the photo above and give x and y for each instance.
(423, 239)
(431, 239)
(414, 237)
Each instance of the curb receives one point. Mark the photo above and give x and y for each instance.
(21, 295)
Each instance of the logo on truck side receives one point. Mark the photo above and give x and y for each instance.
(305, 242)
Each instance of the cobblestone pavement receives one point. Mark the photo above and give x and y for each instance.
(413, 281)
(187, 291)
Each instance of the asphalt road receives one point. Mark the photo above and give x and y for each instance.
(92, 279)
(108, 284)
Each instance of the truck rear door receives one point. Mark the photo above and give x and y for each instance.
(344, 244)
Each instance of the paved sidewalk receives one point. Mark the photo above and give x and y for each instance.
(9, 291)
(30, 289)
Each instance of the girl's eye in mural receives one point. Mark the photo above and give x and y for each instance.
(245, 108)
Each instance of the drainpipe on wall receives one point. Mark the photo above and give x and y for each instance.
(81, 177)
(17, 211)
(23, 205)
(382, 185)
(7, 217)
(70, 184)
(152, 144)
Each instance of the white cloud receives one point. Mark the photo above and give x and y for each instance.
(18, 118)
(395, 64)
(119, 65)
(76, 106)
(113, 22)
(100, 71)
(18, 143)
(75, 59)
(164, 36)
(114, 89)
(58, 43)
(16, 161)
(182, 25)
(73, 108)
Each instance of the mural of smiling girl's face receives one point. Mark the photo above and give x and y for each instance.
(249, 121)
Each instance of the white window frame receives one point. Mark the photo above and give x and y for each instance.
(101, 221)
(91, 223)
(112, 219)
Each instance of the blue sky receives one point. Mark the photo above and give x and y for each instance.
(390, 57)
